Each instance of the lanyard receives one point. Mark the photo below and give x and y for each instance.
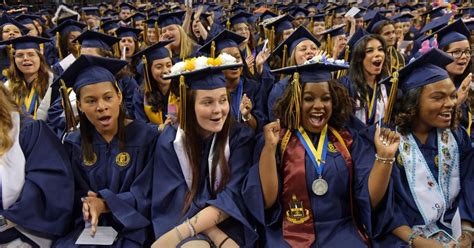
(372, 105)
(318, 157)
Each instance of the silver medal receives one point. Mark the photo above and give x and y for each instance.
(320, 187)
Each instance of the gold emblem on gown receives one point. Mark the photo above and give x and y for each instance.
(122, 159)
(297, 214)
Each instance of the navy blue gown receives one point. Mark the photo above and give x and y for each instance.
(44, 206)
(124, 185)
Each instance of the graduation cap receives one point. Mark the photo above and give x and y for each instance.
(318, 18)
(347, 52)
(402, 18)
(285, 49)
(5, 19)
(66, 18)
(28, 19)
(331, 33)
(109, 25)
(238, 8)
(340, 9)
(370, 15)
(223, 40)
(426, 69)
(376, 22)
(434, 13)
(266, 15)
(405, 8)
(94, 11)
(457, 31)
(316, 70)
(436, 24)
(68, 26)
(25, 42)
(110, 12)
(470, 25)
(200, 74)
(127, 6)
(175, 18)
(136, 18)
(312, 5)
(298, 11)
(241, 17)
(127, 32)
(95, 39)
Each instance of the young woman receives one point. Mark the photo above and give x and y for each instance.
(328, 196)
(152, 98)
(34, 171)
(128, 42)
(9, 29)
(301, 46)
(368, 67)
(182, 46)
(246, 99)
(240, 24)
(65, 34)
(29, 78)
(110, 156)
(432, 159)
(200, 166)
(454, 40)
(319, 26)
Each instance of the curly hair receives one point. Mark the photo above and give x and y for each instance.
(406, 110)
(7, 105)
(341, 105)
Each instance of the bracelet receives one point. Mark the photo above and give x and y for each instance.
(247, 119)
(223, 241)
(384, 160)
(179, 234)
(413, 236)
(468, 229)
(191, 228)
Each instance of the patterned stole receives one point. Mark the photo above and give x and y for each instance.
(30, 103)
(157, 117)
(298, 221)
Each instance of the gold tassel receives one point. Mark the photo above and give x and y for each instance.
(58, 37)
(392, 97)
(147, 74)
(182, 103)
(41, 48)
(427, 19)
(311, 24)
(71, 122)
(346, 53)
(11, 53)
(285, 54)
(157, 30)
(227, 24)
(451, 20)
(293, 111)
(145, 35)
(271, 39)
(329, 45)
(213, 49)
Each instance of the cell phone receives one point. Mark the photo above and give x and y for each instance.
(352, 12)
(265, 43)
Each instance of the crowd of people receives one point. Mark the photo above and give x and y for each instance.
(323, 124)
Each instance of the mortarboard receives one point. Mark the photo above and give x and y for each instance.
(285, 49)
(223, 40)
(94, 39)
(25, 42)
(127, 32)
(174, 18)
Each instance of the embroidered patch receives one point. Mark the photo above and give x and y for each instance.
(122, 159)
(331, 147)
(90, 162)
(297, 214)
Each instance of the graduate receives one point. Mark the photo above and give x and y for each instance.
(369, 64)
(454, 40)
(334, 42)
(65, 33)
(36, 180)
(431, 164)
(183, 46)
(297, 49)
(128, 42)
(200, 165)
(240, 24)
(152, 98)
(29, 77)
(247, 103)
(329, 196)
(10, 29)
(110, 156)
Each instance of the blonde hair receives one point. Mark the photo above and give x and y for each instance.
(18, 85)
(292, 60)
(7, 105)
(186, 44)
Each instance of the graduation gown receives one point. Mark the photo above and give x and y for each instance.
(406, 211)
(44, 206)
(122, 181)
(252, 90)
(333, 226)
(170, 188)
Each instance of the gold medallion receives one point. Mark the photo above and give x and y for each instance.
(122, 159)
(90, 162)
(331, 147)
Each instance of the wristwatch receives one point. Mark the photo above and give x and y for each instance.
(248, 118)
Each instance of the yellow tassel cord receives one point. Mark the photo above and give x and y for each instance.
(271, 39)
(147, 74)
(145, 35)
(71, 122)
(329, 45)
(157, 30)
(249, 52)
(116, 47)
(311, 24)
(11, 53)
(41, 48)
(284, 59)
(451, 20)
(227, 24)
(213, 49)
(391, 98)
(293, 110)
(182, 103)
(58, 37)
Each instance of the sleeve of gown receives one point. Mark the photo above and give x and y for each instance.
(253, 194)
(466, 196)
(56, 120)
(128, 86)
(46, 201)
(169, 186)
(230, 199)
(258, 110)
(379, 221)
(138, 110)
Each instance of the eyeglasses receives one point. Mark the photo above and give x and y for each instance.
(25, 55)
(458, 53)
